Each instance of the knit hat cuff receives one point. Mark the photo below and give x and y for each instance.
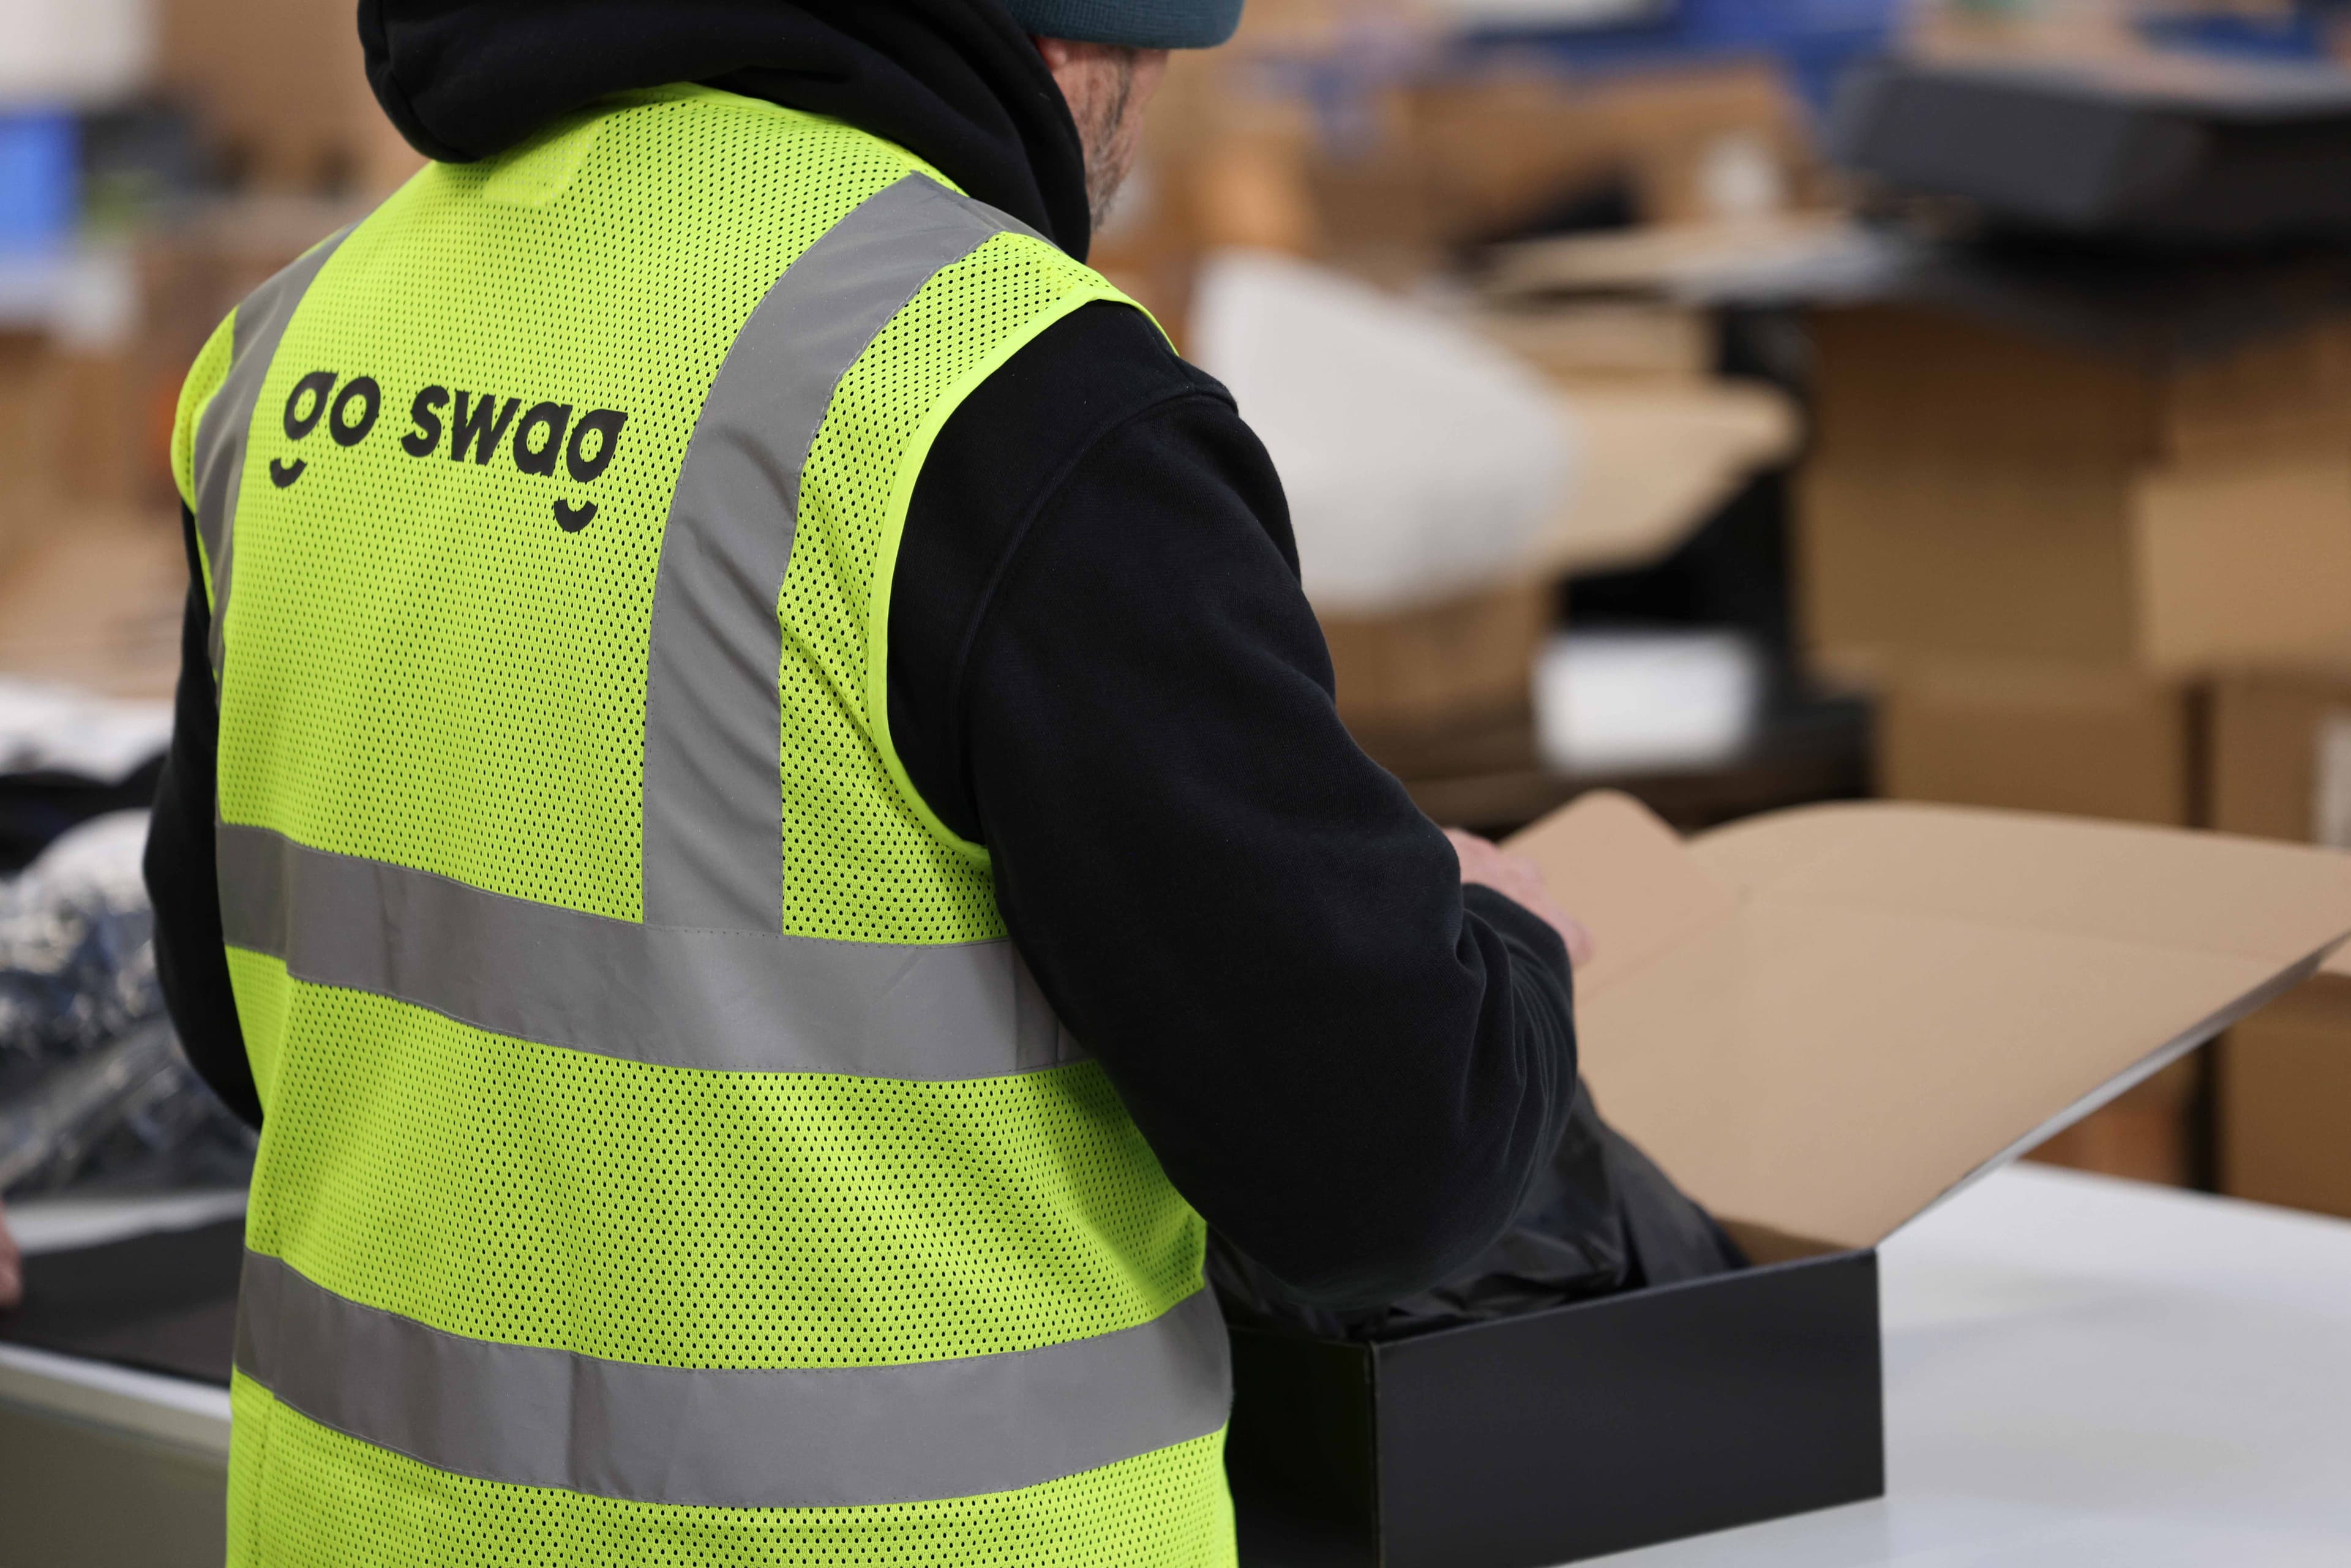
(1137, 23)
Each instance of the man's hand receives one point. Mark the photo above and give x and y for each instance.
(11, 1268)
(1516, 878)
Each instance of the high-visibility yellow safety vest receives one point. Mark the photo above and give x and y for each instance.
(667, 1158)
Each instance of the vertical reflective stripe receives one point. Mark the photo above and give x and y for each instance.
(221, 435)
(726, 1437)
(714, 721)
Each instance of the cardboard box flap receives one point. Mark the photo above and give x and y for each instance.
(1822, 1020)
(1655, 464)
(1626, 873)
(2153, 887)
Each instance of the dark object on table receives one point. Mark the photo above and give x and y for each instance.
(1599, 1220)
(1584, 1429)
(162, 1303)
(37, 807)
(1610, 1373)
(2156, 149)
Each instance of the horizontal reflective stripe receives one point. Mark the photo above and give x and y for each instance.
(725, 1000)
(828, 1437)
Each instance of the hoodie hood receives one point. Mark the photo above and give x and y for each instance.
(956, 82)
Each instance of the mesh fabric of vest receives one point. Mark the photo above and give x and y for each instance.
(424, 672)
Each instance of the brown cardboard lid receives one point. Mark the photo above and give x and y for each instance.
(1822, 1020)
(1655, 462)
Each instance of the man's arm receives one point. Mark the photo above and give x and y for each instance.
(1103, 667)
(191, 959)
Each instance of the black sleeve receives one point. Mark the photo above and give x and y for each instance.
(190, 957)
(1103, 668)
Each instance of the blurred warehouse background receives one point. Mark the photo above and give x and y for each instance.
(1740, 402)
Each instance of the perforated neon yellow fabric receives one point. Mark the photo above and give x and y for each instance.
(250, 1409)
(450, 684)
(205, 378)
(420, 670)
(262, 991)
(868, 862)
(694, 1219)
(1166, 1509)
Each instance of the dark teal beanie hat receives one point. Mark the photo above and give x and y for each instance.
(1138, 24)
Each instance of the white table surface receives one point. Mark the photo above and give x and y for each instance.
(2082, 1372)
(2079, 1371)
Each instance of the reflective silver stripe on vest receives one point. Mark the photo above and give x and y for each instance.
(714, 793)
(828, 1437)
(725, 1000)
(220, 439)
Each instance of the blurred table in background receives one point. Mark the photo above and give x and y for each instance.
(1818, 750)
(103, 1466)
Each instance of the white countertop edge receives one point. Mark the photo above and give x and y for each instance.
(57, 1222)
(173, 1410)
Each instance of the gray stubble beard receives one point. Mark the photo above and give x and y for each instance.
(1110, 137)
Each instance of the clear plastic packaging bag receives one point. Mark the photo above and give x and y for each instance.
(94, 1089)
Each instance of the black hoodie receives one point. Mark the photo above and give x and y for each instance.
(1101, 666)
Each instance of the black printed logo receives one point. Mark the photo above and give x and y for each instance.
(479, 425)
(306, 404)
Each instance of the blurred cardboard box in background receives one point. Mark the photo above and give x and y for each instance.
(278, 87)
(2077, 739)
(1381, 152)
(2091, 741)
(2282, 755)
(27, 433)
(1640, 339)
(2147, 1134)
(1410, 682)
(1974, 490)
(2048, 541)
(1501, 150)
(2284, 1093)
(2282, 770)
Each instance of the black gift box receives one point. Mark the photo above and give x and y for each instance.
(1820, 1023)
(1565, 1434)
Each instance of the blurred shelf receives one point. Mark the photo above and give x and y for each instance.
(1819, 751)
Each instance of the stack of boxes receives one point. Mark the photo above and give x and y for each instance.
(2038, 549)
(2098, 576)
(2082, 507)
(2281, 768)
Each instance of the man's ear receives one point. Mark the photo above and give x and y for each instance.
(1058, 53)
